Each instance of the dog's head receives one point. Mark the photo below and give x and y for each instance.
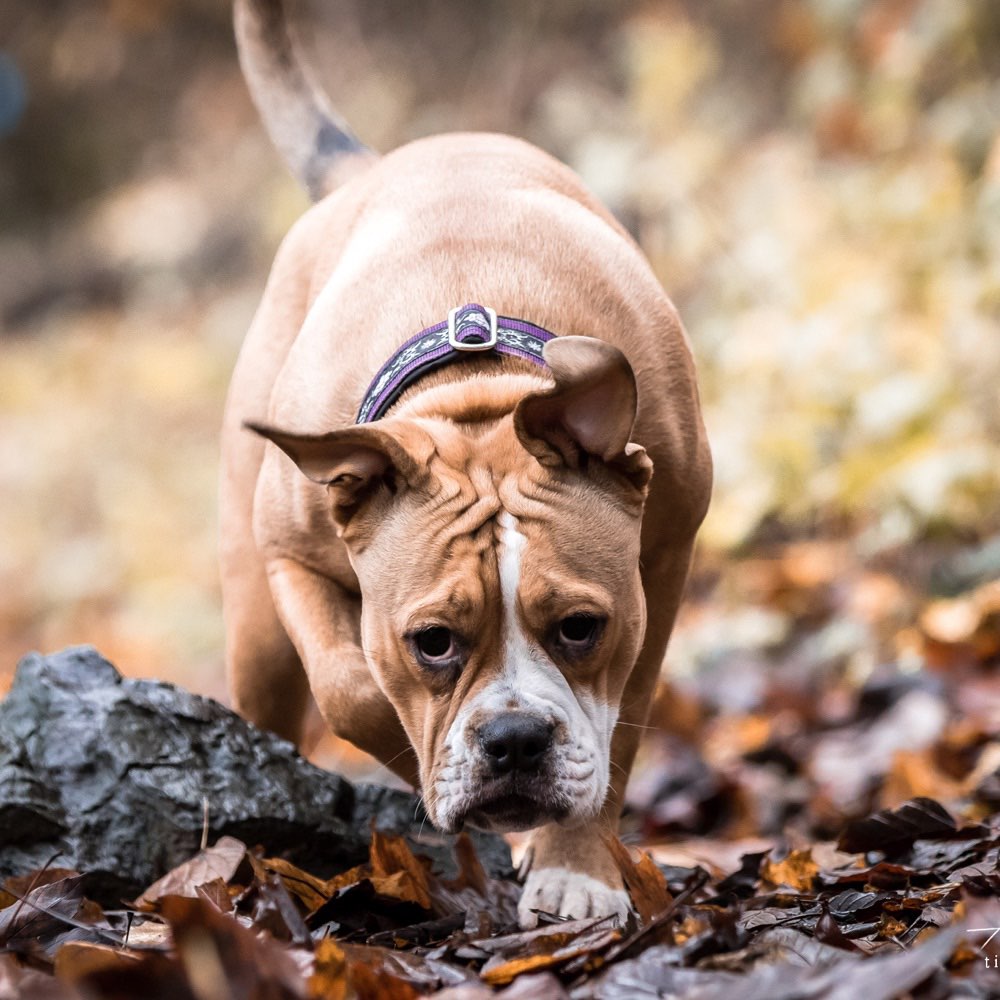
(497, 550)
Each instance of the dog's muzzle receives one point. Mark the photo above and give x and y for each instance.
(516, 789)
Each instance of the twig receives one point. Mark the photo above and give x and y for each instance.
(204, 822)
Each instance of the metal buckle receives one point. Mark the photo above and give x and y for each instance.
(482, 345)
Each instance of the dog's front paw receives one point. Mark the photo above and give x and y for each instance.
(566, 893)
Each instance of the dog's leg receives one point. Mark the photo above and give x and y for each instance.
(266, 679)
(323, 620)
(571, 871)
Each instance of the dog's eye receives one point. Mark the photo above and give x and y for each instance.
(578, 633)
(435, 644)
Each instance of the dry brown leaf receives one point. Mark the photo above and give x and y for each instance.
(691, 926)
(360, 971)
(397, 872)
(393, 871)
(101, 972)
(401, 886)
(470, 871)
(828, 931)
(351, 877)
(555, 947)
(20, 983)
(915, 773)
(329, 978)
(506, 970)
(21, 885)
(522, 952)
(49, 907)
(312, 892)
(79, 959)
(644, 881)
(150, 935)
(220, 861)
(890, 927)
(732, 736)
(218, 893)
(797, 870)
(223, 958)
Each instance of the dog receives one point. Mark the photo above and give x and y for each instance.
(470, 559)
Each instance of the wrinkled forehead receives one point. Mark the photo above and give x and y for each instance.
(453, 544)
(572, 537)
(435, 556)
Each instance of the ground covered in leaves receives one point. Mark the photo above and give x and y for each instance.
(902, 906)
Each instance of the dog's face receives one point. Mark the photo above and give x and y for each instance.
(502, 613)
(499, 566)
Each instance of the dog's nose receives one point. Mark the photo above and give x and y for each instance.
(515, 741)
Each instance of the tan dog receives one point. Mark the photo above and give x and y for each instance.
(470, 583)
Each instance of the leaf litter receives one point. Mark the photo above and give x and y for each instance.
(231, 923)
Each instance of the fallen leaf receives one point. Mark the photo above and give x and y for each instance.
(396, 870)
(20, 885)
(78, 960)
(915, 774)
(470, 872)
(893, 830)
(644, 881)
(51, 915)
(329, 978)
(101, 973)
(507, 969)
(20, 983)
(855, 905)
(797, 870)
(312, 892)
(222, 958)
(828, 931)
(220, 861)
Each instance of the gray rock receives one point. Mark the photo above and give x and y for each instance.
(108, 776)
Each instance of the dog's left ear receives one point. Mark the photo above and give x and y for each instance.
(588, 412)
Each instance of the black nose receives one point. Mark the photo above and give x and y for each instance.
(515, 742)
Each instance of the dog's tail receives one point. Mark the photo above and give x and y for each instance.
(318, 146)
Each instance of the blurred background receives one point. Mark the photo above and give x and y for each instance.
(817, 184)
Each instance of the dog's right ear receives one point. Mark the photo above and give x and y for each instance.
(354, 464)
(590, 410)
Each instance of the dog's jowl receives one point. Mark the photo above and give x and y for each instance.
(465, 518)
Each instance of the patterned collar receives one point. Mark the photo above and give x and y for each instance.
(470, 328)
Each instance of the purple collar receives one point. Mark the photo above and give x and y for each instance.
(468, 329)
